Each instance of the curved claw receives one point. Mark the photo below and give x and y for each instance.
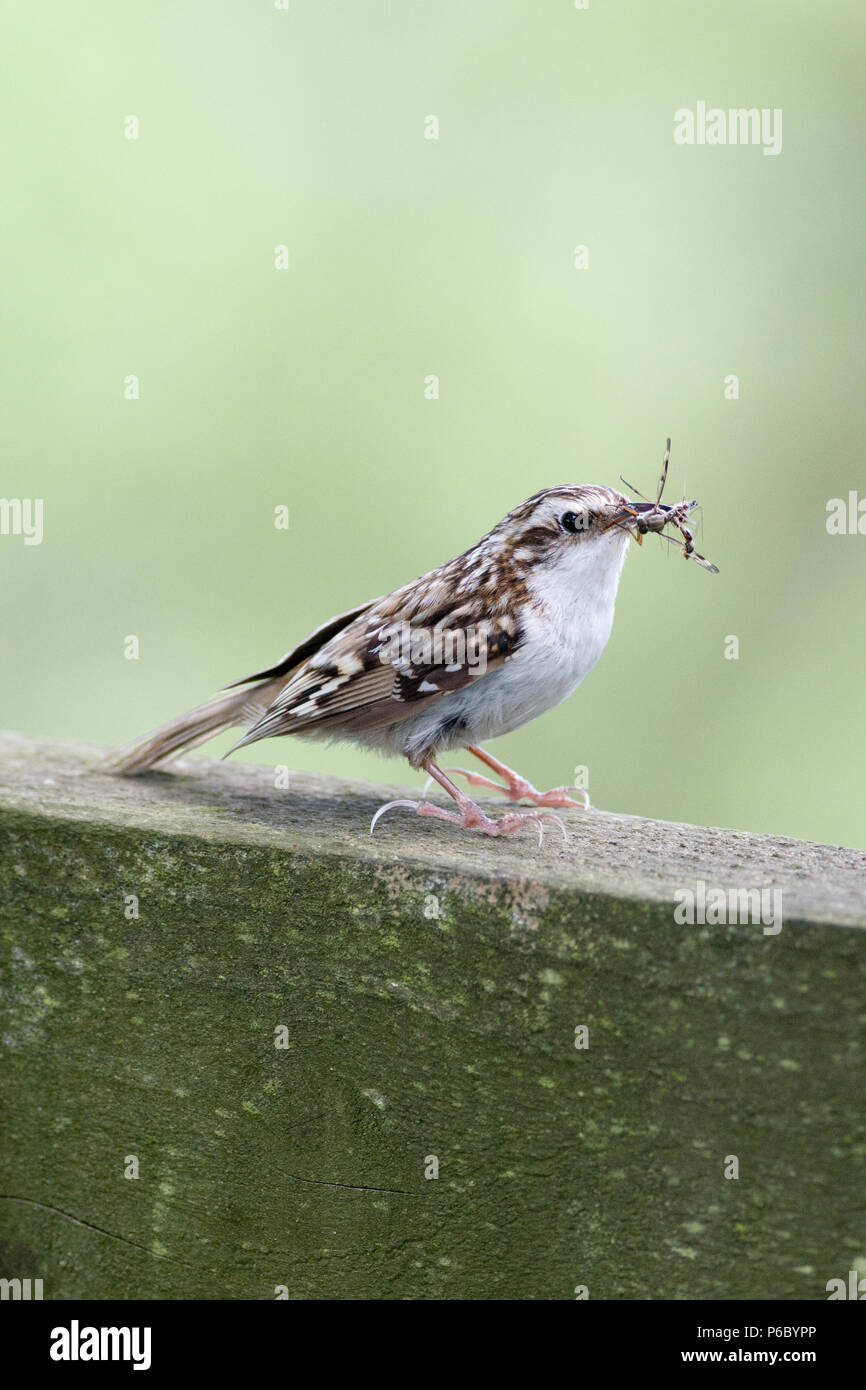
(548, 815)
(517, 818)
(389, 805)
(471, 817)
(587, 805)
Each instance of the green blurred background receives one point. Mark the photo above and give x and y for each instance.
(454, 257)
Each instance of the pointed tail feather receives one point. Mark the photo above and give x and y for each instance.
(237, 707)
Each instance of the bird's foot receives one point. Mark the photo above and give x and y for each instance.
(471, 817)
(517, 787)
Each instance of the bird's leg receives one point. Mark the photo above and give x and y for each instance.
(468, 815)
(517, 786)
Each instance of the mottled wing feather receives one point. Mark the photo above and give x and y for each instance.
(354, 682)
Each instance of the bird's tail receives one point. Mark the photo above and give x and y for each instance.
(226, 711)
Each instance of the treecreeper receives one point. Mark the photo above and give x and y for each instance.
(474, 649)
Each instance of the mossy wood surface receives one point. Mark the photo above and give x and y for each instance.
(429, 983)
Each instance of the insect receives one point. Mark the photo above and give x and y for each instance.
(654, 517)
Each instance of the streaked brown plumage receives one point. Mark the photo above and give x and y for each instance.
(536, 594)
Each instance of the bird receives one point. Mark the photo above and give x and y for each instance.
(467, 652)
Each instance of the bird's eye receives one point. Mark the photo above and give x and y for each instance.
(571, 521)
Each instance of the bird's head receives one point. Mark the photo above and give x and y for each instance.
(567, 525)
(588, 525)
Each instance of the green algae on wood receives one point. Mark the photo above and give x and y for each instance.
(290, 1027)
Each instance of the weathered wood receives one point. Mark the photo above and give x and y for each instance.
(418, 1025)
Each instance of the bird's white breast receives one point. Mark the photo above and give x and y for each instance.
(566, 628)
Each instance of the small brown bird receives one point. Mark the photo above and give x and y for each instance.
(471, 650)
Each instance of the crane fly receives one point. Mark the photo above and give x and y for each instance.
(652, 517)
